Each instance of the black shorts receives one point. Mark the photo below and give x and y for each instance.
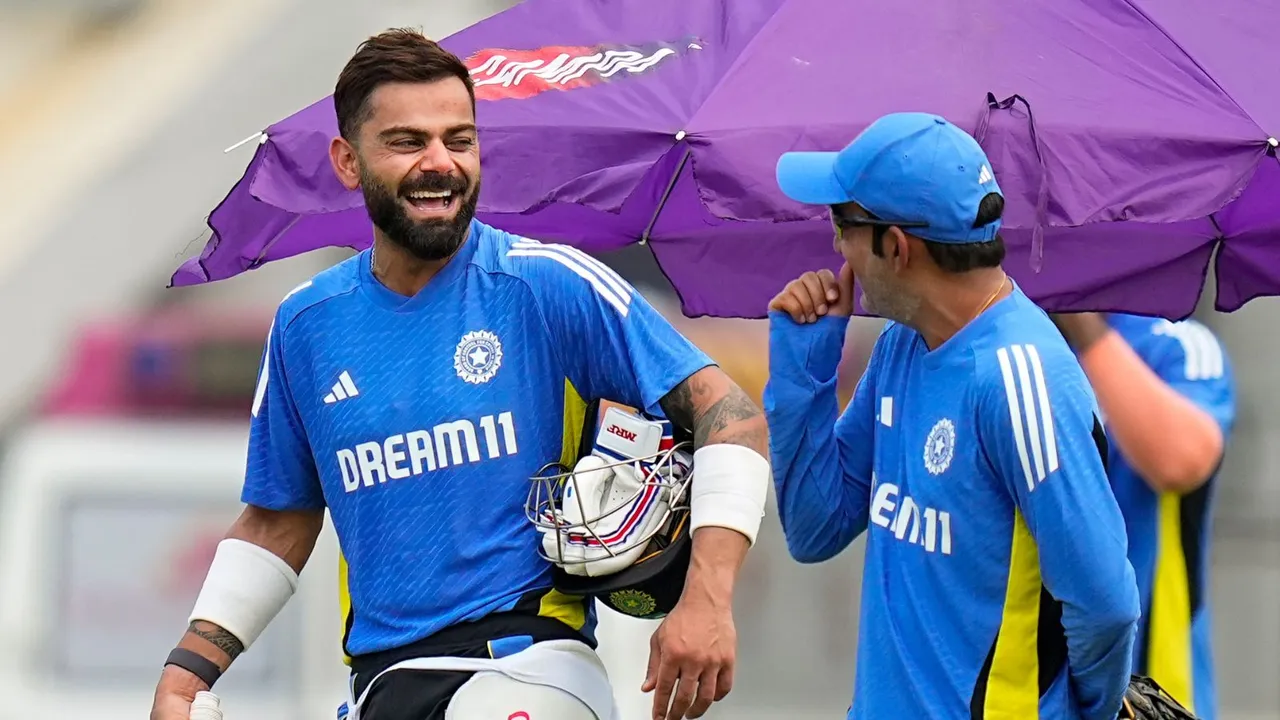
(413, 695)
(425, 694)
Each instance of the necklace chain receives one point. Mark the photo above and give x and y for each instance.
(992, 299)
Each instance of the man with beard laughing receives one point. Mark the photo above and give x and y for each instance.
(413, 391)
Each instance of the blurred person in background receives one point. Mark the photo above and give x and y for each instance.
(373, 374)
(996, 581)
(1168, 400)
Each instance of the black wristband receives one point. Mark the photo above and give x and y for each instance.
(195, 663)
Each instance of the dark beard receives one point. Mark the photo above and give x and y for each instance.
(428, 240)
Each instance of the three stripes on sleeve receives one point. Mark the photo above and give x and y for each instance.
(1030, 413)
(606, 282)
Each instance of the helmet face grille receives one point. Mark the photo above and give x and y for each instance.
(667, 473)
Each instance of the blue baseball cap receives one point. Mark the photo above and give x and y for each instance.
(905, 167)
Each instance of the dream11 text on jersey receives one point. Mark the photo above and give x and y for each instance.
(413, 453)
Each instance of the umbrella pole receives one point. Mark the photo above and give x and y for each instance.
(671, 184)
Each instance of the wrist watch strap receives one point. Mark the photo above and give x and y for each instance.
(197, 664)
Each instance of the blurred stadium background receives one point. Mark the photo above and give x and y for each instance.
(123, 404)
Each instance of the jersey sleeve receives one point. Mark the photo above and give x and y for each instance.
(613, 343)
(280, 473)
(1039, 430)
(821, 464)
(1188, 357)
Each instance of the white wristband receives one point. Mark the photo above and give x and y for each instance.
(245, 589)
(730, 485)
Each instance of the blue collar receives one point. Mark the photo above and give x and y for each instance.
(389, 299)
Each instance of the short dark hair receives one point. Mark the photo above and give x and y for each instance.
(397, 55)
(961, 257)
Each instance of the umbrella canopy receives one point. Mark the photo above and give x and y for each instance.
(1131, 141)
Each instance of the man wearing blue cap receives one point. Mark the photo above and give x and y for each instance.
(971, 453)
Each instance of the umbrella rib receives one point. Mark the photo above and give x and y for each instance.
(1194, 61)
(266, 247)
(733, 65)
(671, 184)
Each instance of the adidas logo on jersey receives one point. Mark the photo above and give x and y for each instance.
(343, 389)
(908, 521)
(416, 453)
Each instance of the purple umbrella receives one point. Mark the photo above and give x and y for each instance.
(1133, 138)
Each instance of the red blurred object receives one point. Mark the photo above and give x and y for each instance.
(176, 361)
(190, 565)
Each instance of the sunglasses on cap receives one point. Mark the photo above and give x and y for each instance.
(844, 221)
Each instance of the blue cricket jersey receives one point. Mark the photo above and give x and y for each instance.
(418, 422)
(996, 583)
(1169, 533)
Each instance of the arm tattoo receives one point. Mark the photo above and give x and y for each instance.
(693, 405)
(221, 639)
(678, 405)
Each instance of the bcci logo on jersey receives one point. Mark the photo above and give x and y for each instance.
(478, 357)
(939, 447)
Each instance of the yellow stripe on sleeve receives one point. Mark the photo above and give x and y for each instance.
(1169, 631)
(570, 610)
(1013, 686)
(575, 417)
(344, 604)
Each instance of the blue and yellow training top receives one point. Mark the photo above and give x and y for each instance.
(996, 582)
